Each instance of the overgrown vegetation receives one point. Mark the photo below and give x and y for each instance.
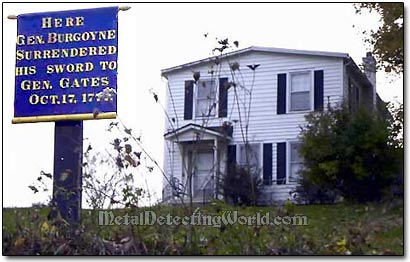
(374, 229)
(353, 155)
(112, 177)
(236, 187)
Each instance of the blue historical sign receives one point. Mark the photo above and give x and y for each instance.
(66, 65)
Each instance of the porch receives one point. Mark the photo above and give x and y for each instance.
(203, 153)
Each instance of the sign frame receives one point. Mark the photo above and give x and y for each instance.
(28, 110)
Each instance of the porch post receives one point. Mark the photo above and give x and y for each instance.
(216, 169)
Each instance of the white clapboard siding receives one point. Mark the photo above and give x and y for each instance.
(276, 194)
(265, 125)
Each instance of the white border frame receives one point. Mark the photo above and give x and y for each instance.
(289, 87)
(216, 115)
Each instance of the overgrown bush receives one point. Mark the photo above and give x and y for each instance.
(307, 192)
(348, 153)
(238, 188)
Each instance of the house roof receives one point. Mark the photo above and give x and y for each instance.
(166, 71)
(218, 131)
(358, 74)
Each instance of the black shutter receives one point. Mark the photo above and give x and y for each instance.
(281, 163)
(189, 99)
(231, 157)
(267, 164)
(223, 98)
(318, 93)
(281, 105)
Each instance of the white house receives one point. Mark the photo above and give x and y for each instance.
(210, 103)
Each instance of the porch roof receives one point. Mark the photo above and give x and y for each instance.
(224, 132)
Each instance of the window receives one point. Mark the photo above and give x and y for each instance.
(296, 162)
(300, 91)
(250, 152)
(205, 98)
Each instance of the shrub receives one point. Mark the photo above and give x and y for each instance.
(307, 192)
(238, 188)
(347, 153)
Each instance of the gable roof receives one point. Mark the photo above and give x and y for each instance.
(166, 71)
(345, 56)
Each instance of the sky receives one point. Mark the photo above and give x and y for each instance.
(156, 36)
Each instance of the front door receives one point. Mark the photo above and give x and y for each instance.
(203, 174)
(201, 160)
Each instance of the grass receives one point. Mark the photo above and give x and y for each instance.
(343, 229)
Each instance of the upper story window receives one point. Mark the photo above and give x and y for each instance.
(300, 91)
(205, 102)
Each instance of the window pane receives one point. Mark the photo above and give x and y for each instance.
(294, 153)
(300, 82)
(300, 101)
(296, 162)
(206, 89)
(204, 161)
(203, 185)
(295, 172)
(253, 157)
(204, 107)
